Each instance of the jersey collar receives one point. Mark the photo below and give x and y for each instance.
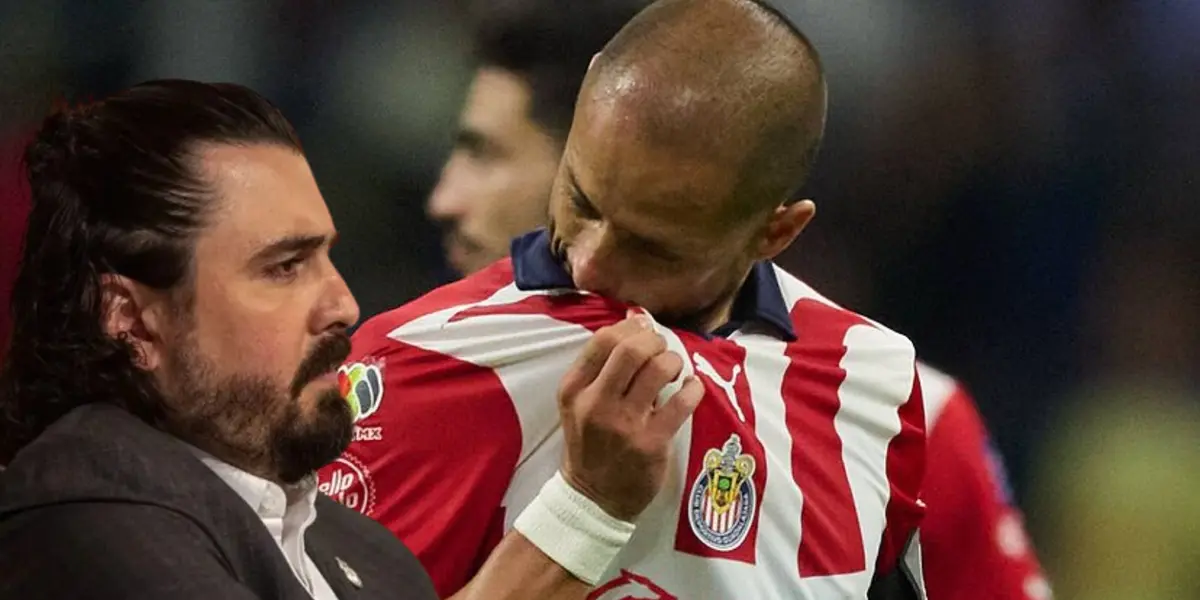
(760, 299)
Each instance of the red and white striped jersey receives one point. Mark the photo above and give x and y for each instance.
(796, 478)
(973, 537)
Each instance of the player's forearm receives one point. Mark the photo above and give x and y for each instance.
(560, 545)
(517, 569)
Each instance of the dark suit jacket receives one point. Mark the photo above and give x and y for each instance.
(103, 506)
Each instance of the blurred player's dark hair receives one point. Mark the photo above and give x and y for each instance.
(548, 43)
(115, 190)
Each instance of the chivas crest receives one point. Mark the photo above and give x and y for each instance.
(723, 498)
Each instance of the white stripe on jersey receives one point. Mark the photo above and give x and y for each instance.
(782, 500)
(516, 337)
(866, 429)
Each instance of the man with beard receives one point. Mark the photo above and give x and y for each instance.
(496, 185)
(172, 384)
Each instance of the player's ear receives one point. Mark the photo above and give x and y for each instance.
(783, 226)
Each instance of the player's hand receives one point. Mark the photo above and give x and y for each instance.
(617, 441)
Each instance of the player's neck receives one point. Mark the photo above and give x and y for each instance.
(719, 313)
(717, 317)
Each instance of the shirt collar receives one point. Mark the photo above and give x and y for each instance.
(760, 299)
(268, 499)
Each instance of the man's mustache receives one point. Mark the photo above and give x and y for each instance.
(327, 356)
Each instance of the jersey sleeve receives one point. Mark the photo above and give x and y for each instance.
(973, 538)
(448, 400)
(435, 443)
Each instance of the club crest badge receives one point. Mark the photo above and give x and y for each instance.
(723, 499)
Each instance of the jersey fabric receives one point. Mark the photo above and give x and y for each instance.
(973, 538)
(796, 478)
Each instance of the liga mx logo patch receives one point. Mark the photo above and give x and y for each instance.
(362, 387)
(723, 499)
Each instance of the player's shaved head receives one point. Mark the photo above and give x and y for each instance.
(695, 127)
(724, 80)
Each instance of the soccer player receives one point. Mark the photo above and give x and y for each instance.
(798, 475)
(496, 185)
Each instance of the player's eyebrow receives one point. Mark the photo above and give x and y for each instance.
(292, 244)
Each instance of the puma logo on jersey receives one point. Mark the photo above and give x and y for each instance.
(629, 586)
(726, 385)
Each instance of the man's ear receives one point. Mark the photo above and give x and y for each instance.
(783, 226)
(136, 314)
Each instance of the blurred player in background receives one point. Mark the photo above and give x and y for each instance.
(797, 477)
(497, 184)
(532, 56)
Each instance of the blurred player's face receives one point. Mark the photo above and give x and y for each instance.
(645, 225)
(250, 362)
(495, 185)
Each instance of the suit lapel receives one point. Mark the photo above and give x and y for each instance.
(338, 574)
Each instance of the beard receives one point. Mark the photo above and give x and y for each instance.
(252, 422)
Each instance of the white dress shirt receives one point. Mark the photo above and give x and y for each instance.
(285, 511)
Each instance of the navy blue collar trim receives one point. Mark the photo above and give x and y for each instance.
(760, 299)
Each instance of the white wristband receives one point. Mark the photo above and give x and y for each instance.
(572, 530)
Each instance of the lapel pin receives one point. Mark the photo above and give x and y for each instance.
(350, 573)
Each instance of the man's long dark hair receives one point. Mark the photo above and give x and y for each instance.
(115, 190)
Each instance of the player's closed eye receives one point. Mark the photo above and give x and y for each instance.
(583, 208)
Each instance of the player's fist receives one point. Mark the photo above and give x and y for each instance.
(617, 440)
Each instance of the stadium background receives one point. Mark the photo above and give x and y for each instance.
(1009, 182)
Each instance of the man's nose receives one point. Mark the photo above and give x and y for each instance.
(448, 202)
(340, 309)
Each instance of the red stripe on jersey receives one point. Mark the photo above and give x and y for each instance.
(714, 421)
(905, 470)
(831, 538)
